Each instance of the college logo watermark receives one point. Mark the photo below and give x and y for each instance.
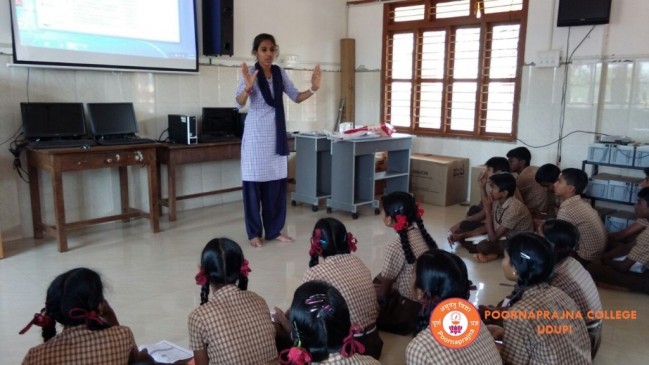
(455, 323)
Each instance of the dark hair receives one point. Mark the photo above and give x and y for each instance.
(563, 235)
(77, 288)
(260, 38)
(321, 325)
(504, 182)
(498, 164)
(646, 171)
(533, 258)
(222, 259)
(644, 194)
(548, 173)
(333, 238)
(402, 203)
(521, 153)
(440, 275)
(576, 178)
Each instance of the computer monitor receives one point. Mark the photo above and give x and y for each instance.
(52, 120)
(112, 119)
(220, 121)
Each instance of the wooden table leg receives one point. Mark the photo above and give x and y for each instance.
(2, 247)
(59, 210)
(123, 188)
(35, 197)
(154, 191)
(171, 193)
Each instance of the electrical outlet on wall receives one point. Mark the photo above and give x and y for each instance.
(548, 59)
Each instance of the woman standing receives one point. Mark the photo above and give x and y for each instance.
(264, 148)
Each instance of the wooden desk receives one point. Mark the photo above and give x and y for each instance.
(60, 160)
(173, 155)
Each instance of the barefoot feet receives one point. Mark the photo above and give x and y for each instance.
(256, 242)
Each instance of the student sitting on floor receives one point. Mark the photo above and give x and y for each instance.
(442, 275)
(505, 216)
(529, 261)
(628, 235)
(473, 225)
(321, 329)
(571, 277)
(397, 298)
(348, 274)
(534, 196)
(592, 242)
(234, 325)
(91, 333)
(620, 270)
(546, 176)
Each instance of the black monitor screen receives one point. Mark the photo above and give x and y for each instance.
(52, 120)
(220, 121)
(107, 119)
(583, 12)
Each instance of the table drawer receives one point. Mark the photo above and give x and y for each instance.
(105, 159)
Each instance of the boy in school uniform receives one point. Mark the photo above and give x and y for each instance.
(569, 187)
(505, 217)
(534, 195)
(627, 272)
(546, 176)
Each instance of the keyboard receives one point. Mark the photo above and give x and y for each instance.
(213, 139)
(62, 143)
(120, 141)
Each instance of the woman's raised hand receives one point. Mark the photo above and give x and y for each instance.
(248, 77)
(315, 78)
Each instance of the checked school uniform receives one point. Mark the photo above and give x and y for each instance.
(593, 236)
(522, 344)
(534, 195)
(80, 345)
(234, 326)
(356, 359)
(513, 215)
(348, 274)
(637, 280)
(571, 277)
(425, 350)
(395, 266)
(353, 279)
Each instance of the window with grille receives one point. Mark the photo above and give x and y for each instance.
(452, 68)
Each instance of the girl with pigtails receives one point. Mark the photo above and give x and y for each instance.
(396, 295)
(441, 275)
(91, 333)
(347, 273)
(321, 329)
(232, 326)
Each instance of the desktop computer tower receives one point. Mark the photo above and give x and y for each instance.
(182, 129)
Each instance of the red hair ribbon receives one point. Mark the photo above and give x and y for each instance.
(40, 320)
(245, 268)
(201, 277)
(80, 313)
(295, 356)
(351, 242)
(420, 210)
(316, 248)
(401, 222)
(350, 345)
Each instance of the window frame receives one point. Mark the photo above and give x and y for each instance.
(417, 27)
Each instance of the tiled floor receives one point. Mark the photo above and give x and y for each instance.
(150, 277)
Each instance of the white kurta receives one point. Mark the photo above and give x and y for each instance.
(259, 159)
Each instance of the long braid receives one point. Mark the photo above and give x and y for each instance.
(205, 293)
(314, 260)
(430, 242)
(405, 246)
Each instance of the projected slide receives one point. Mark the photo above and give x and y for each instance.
(157, 34)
